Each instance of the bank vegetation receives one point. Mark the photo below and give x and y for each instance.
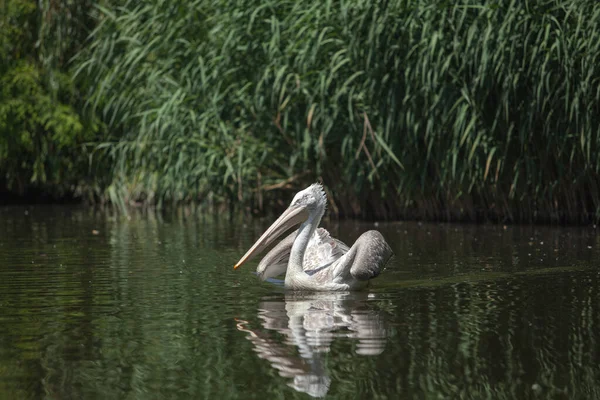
(441, 110)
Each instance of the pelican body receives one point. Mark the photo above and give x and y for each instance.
(316, 261)
(276, 261)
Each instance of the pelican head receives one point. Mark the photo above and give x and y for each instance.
(308, 203)
(313, 198)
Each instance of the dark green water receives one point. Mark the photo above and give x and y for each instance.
(150, 308)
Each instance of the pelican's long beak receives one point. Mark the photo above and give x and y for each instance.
(291, 217)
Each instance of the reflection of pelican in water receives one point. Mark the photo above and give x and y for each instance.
(310, 323)
(316, 261)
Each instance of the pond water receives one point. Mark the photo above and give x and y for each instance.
(149, 307)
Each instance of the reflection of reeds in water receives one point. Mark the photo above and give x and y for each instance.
(309, 324)
(506, 339)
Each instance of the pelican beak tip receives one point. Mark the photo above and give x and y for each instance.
(236, 266)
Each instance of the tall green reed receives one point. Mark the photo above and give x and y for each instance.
(433, 109)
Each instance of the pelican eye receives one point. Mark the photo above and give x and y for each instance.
(304, 199)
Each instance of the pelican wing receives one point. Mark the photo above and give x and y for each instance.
(323, 250)
(365, 259)
(372, 253)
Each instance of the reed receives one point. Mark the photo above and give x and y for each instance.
(437, 109)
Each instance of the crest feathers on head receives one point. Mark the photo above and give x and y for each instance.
(318, 190)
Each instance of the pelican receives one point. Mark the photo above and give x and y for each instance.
(276, 261)
(316, 261)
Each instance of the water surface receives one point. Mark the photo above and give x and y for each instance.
(149, 307)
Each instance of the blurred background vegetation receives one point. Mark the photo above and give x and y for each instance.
(464, 110)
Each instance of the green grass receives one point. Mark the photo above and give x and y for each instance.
(431, 109)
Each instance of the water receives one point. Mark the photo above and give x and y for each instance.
(94, 306)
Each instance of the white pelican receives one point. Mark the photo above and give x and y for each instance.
(317, 261)
(276, 261)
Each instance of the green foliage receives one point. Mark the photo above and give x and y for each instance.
(428, 109)
(41, 133)
(447, 110)
(32, 126)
